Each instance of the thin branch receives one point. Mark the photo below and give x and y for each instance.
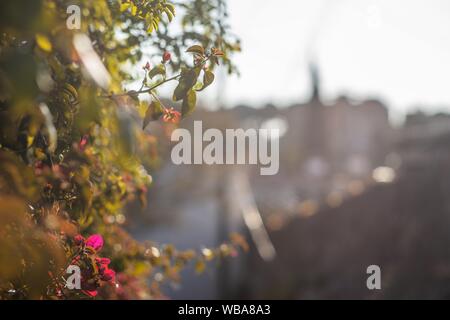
(133, 92)
(149, 90)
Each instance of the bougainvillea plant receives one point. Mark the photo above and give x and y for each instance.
(72, 148)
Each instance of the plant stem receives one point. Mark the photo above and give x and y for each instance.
(132, 92)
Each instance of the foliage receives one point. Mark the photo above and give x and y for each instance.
(71, 151)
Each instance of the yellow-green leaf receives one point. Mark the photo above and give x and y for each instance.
(169, 14)
(124, 6)
(171, 8)
(159, 69)
(179, 92)
(189, 102)
(190, 77)
(196, 49)
(134, 9)
(154, 111)
(186, 82)
(208, 78)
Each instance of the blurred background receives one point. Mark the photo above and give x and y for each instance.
(359, 91)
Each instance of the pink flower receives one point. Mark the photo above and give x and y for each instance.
(39, 167)
(105, 261)
(90, 293)
(83, 142)
(166, 57)
(92, 276)
(147, 66)
(95, 242)
(102, 264)
(78, 239)
(171, 115)
(108, 275)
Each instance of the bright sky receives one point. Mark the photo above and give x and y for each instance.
(398, 51)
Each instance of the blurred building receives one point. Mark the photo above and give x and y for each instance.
(344, 136)
(324, 147)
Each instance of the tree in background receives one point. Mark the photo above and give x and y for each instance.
(72, 148)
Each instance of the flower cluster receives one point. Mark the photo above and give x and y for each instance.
(171, 115)
(94, 269)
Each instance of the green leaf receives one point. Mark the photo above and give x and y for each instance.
(134, 9)
(150, 27)
(214, 60)
(189, 102)
(154, 111)
(171, 8)
(186, 82)
(169, 14)
(179, 92)
(155, 23)
(159, 69)
(124, 6)
(190, 78)
(198, 86)
(208, 78)
(196, 49)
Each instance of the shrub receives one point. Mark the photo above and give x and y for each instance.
(72, 148)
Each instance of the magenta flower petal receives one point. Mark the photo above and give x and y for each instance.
(78, 239)
(108, 275)
(103, 261)
(91, 293)
(95, 241)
